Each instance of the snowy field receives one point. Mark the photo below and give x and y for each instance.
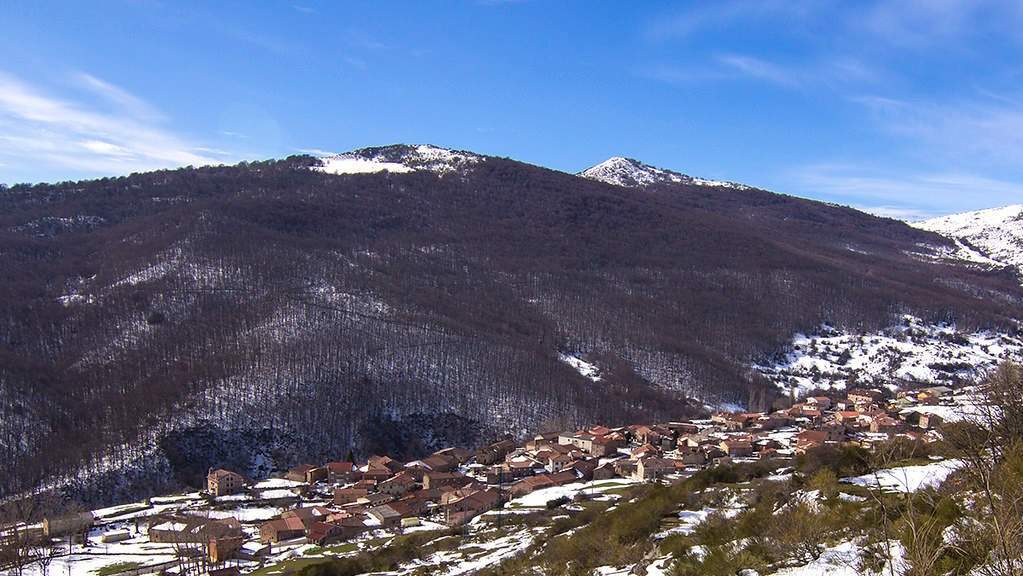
(540, 498)
(907, 478)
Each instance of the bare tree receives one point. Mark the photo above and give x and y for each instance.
(990, 445)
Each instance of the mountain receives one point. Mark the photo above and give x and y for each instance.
(403, 298)
(628, 172)
(988, 237)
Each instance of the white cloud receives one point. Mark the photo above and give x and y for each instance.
(37, 129)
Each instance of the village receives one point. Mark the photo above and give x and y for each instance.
(237, 525)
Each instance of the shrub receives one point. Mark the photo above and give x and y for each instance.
(826, 482)
(557, 502)
(843, 460)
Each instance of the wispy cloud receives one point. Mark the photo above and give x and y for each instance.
(985, 129)
(924, 24)
(762, 69)
(121, 98)
(499, 2)
(126, 135)
(708, 16)
(315, 152)
(355, 62)
(832, 73)
(914, 195)
(682, 74)
(899, 212)
(897, 23)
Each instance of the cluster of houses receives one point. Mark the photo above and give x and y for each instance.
(338, 501)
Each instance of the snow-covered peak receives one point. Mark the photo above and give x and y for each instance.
(993, 236)
(398, 158)
(628, 172)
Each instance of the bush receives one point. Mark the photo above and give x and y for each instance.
(557, 502)
(826, 482)
(721, 561)
(401, 550)
(801, 532)
(842, 459)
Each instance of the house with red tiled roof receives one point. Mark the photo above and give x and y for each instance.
(737, 447)
(306, 473)
(340, 472)
(651, 468)
(221, 482)
(460, 511)
(809, 439)
(398, 484)
(527, 485)
(433, 480)
(344, 496)
(281, 529)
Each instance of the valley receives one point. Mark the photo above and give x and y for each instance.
(298, 308)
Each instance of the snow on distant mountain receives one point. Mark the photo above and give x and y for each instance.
(633, 173)
(398, 158)
(913, 352)
(989, 237)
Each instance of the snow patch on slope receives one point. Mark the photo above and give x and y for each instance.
(586, 369)
(907, 478)
(398, 159)
(915, 351)
(345, 164)
(633, 173)
(991, 237)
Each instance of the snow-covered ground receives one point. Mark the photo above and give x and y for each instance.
(911, 352)
(586, 369)
(965, 405)
(397, 159)
(540, 498)
(346, 164)
(840, 560)
(991, 237)
(908, 478)
(475, 554)
(256, 514)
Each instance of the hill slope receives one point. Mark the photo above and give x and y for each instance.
(990, 237)
(273, 311)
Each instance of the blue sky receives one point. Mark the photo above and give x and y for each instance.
(908, 108)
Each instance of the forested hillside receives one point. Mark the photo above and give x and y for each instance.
(265, 313)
